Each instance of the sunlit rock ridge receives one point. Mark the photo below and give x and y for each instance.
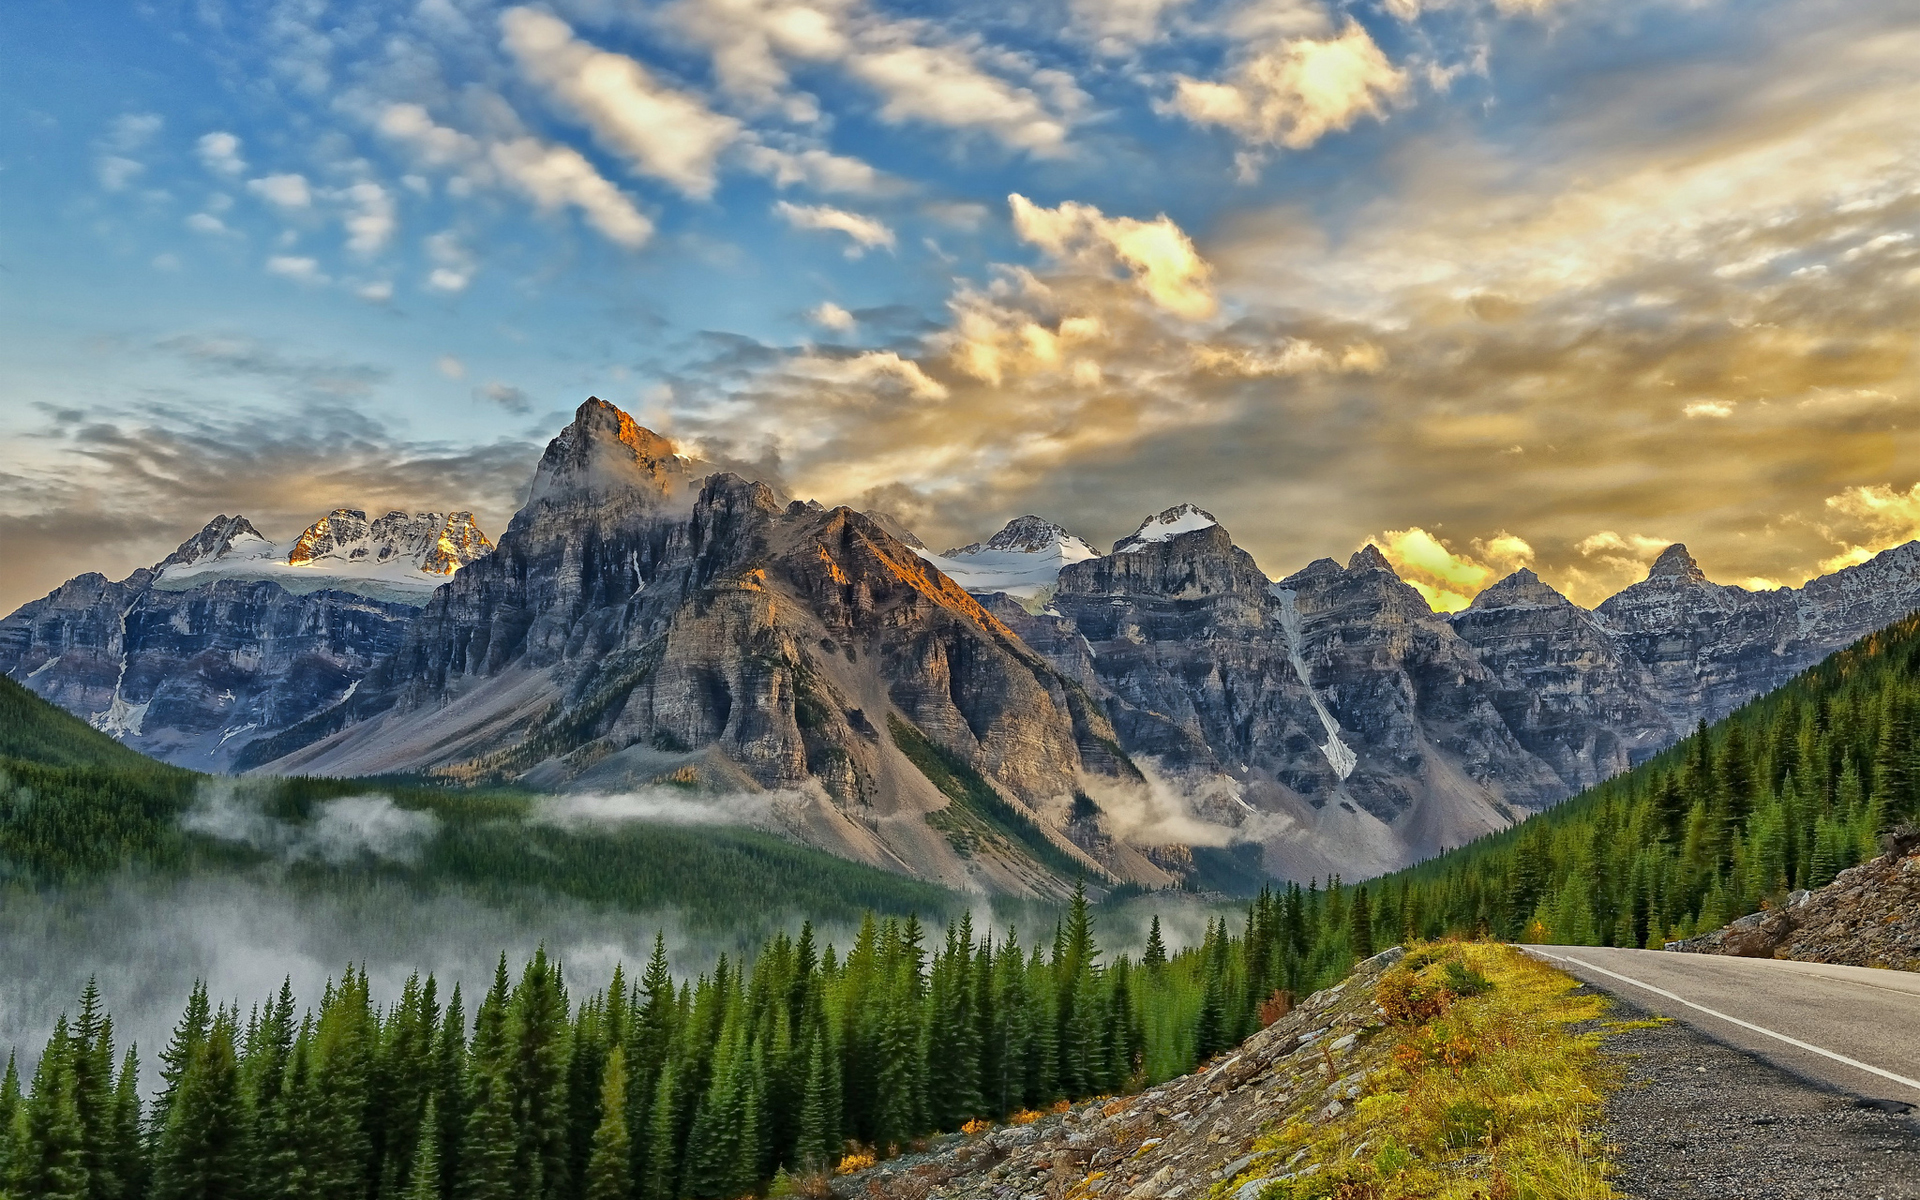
(1164, 710)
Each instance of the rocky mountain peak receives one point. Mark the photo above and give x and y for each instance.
(459, 543)
(1033, 535)
(1522, 589)
(604, 450)
(1165, 526)
(221, 537)
(1029, 535)
(1369, 558)
(431, 542)
(1674, 562)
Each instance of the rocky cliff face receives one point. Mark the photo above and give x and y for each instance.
(1571, 691)
(228, 640)
(1332, 717)
(1351, 728)
(643, 624)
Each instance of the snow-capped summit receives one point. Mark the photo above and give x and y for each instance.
(1181, 518)
(401, 556)
(1021, 560)
(223, 537)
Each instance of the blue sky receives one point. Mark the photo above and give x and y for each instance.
(1491, 282)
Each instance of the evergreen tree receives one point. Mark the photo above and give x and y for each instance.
(201, 1150)
(423, 1177)
(609, 1166)
(1360, 925)
(1155, 955)
(49, 1155)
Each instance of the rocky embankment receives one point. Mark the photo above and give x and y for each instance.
(1869, 916)
(1173, 1141)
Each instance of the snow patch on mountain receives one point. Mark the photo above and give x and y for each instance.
(399, 557)
(1181, 518)
(1023, 560)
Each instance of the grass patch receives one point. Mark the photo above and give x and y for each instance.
(981, 809)
(1487, 1093)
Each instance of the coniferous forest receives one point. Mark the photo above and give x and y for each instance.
(652, 1088)
(1785, 793)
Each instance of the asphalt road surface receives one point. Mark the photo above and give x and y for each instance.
(1855, 1029)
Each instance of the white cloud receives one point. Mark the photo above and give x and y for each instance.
(1296, 91)
(1708, 408)
(285, 191)
(548, 174)
(866, 232)
(378, 292)
(436, 144)
(298, 269)
(1118, 26)
(374, 217)
(667, 134)
(116, 172)
(944, 85)
(556, 175)
(748, 38)
(1157, 253)
(919, 75)
(878, 370)
(201, 222)
(815, 168)
(220, 153)
(1874, 518)
(1635, 546)
(829, 315)
(130, 131)
(456, 263)
(451, 367)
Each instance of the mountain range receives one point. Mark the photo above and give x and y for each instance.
(997, 716)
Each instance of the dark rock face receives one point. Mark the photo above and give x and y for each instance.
(639, 622)
(193, 676)
(1571, 691)
(198, 657)
(1710, 648)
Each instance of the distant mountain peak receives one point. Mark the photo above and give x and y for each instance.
(430, 542)
(1675, 562)
(221, 537)
(1368, 557)
(1023, 559)
(400, 556)
(1522, 589)
(603, 449)
(1165, 526)
(1028, 535)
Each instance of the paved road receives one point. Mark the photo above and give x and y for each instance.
(1852, 1028)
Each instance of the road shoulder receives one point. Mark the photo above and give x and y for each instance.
(1695, 1119)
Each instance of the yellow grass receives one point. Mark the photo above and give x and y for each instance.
(1478, 1097)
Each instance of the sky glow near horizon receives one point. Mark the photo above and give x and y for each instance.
(1491, 283)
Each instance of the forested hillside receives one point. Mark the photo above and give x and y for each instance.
(1785, 793)
(75, 804)
(649, 1090)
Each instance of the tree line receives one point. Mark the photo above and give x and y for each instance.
(655, 1088)
(1785, 793)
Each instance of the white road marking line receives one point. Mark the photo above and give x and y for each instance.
(1791, 1041)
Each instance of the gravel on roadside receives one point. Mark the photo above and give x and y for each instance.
(1697, 1120)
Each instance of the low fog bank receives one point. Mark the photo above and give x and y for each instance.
(148, 939)
(339, 832)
